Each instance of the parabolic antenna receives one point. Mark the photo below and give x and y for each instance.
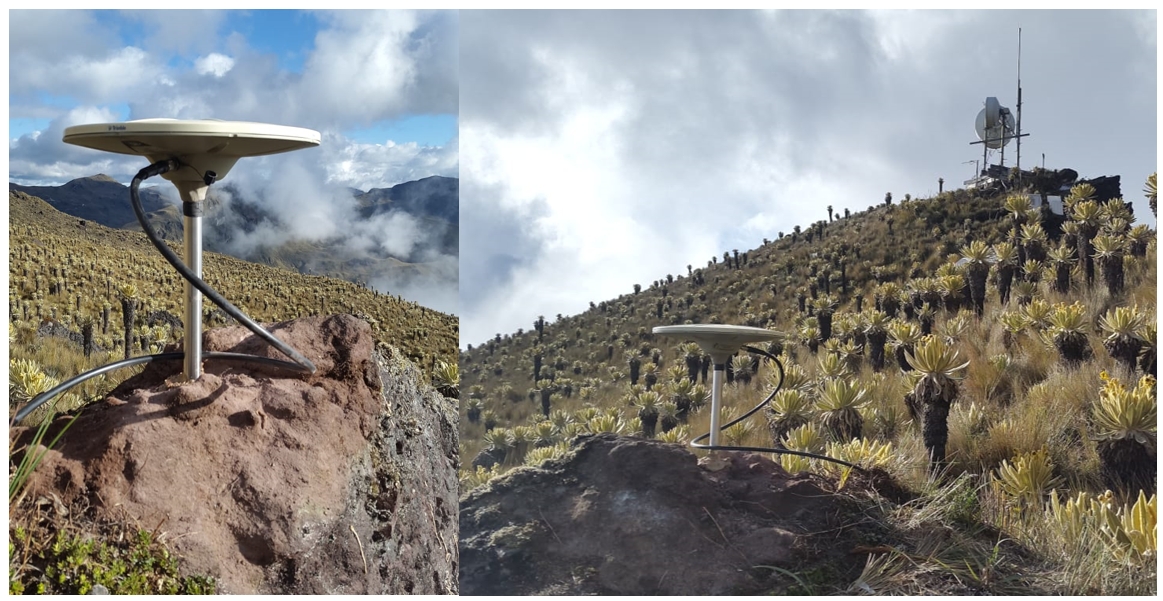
(201, 146)
(192, 155)
(992, 112)
(1000, 133)
(720, 342)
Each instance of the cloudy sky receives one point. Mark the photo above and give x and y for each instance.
(380, 86)
(600, 150)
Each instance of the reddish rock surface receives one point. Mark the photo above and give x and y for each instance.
(339, 482)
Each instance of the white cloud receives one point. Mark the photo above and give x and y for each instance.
(214, 64)
(363, 67)
(405, 233)
(631, 144)
(308, 208)
(430, 289)
(365, 166)
(51, 35)
(181, 31)
(42, 158)
(87, 114)
(105, 77)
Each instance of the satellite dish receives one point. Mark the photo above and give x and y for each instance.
(201, 146)
(992, 112)
(995, 137)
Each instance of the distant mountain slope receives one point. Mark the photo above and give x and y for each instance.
(436, 196)
(435, 200)
(98, 198)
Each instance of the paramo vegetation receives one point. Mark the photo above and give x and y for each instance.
(996, 359)
(82, 295)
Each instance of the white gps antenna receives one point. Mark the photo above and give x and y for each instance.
(191, 154)
(720, 342)
(205, 151)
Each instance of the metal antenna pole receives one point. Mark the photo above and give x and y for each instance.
(1019, 106)
(193, 239)
(718, 374)
(1003, 144)
(192, 197)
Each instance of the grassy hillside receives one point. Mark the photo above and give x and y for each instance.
(65, 271)
(432, 202)
(898, 346)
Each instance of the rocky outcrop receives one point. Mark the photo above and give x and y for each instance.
(629, 516)
(343, 482)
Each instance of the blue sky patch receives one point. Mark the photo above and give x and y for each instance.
(288, 34)
(20, 127)
(425, 130)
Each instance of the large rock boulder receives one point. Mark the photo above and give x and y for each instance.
(629, 516)
(341, 482)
